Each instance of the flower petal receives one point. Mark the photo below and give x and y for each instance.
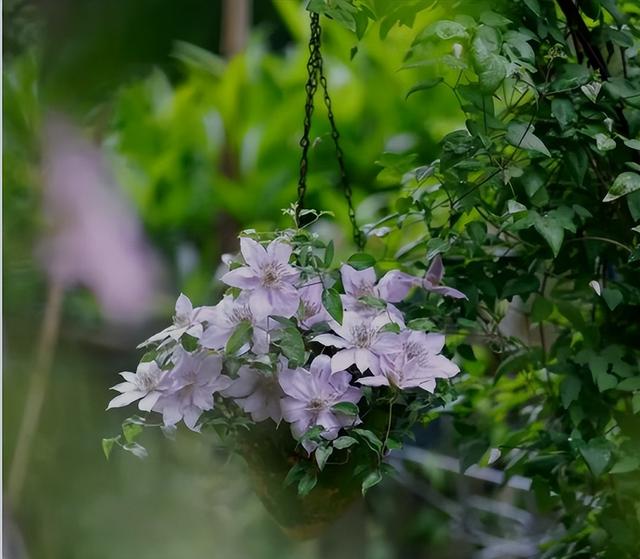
(331, 340)
(376, 380)
(436, 270)
(343, 359)
(280, 251)
(184, 308)
(125, 399)
(150, 400)
(253, 252)
(244, 278)
(295, 383)
(354, 280)
(395, 285)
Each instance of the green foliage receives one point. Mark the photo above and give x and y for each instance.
(534, 201)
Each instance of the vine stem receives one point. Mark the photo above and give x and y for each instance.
(36, 391)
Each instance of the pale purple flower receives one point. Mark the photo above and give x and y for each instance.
(268, 277)
(360, 340)
(311, 310)
(190, 388)
(257, 393)
(363, 283)
(93, 237)
(414, 361)
(144, 385)
(227, 315)
(395, 285)
(310, 396)
(186, 320)
(433, 278)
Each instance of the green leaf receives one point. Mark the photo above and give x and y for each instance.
(136, 449)
(239, 337)
(290, 342)
(629, 384)
(563, 111)
(346, 408)
(541, 309)
(612, 297)
(599, 371)
(333, 304)
(374, 478)
(295, 473)
(534, 6)
(551, 231)
(361, 261)
(328, 254)
(569, 390)
(493, 19)
(597, 455)
(322, 454)
(522, 285)
(471, 451)
(422, 324)
(307, 483)
(344, 442)
(625, 465)
(521, 135)
(108, 444)
(635, 402)
(374, 302)
(390, 327)
(131, 431)
(633, 144)
(370, 438)
(591, 90)
(625, 183)
(604, 142)
(424, 85)
(443, 29)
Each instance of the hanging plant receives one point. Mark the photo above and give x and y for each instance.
(312, 371)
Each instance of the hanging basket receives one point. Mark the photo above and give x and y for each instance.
(320, 363)
(270, 453)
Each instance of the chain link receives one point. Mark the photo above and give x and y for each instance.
(316, 75)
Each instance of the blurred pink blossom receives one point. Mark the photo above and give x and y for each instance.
(94, 239)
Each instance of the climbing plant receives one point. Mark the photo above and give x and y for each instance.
(535, 199)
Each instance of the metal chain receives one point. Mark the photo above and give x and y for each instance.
(316, 74)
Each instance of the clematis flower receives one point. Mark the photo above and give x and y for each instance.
(144, 385)
(310, 397)
(359, 339)
(257, 393)
(225, 317)
(268, 277)
(361, 283)
(413, 361)
(311, 310)
(433, 278)
(396, 284)
(190, 388)
(186, 320)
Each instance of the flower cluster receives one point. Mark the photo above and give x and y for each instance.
(290, 341)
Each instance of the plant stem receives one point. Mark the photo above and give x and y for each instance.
(36, 391)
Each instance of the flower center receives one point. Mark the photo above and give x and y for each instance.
(362, 336)
(309, 309)
(148, 379)
(316, 404)
(363, 289)
(272, 274)
(238, 314)
(412, 350)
